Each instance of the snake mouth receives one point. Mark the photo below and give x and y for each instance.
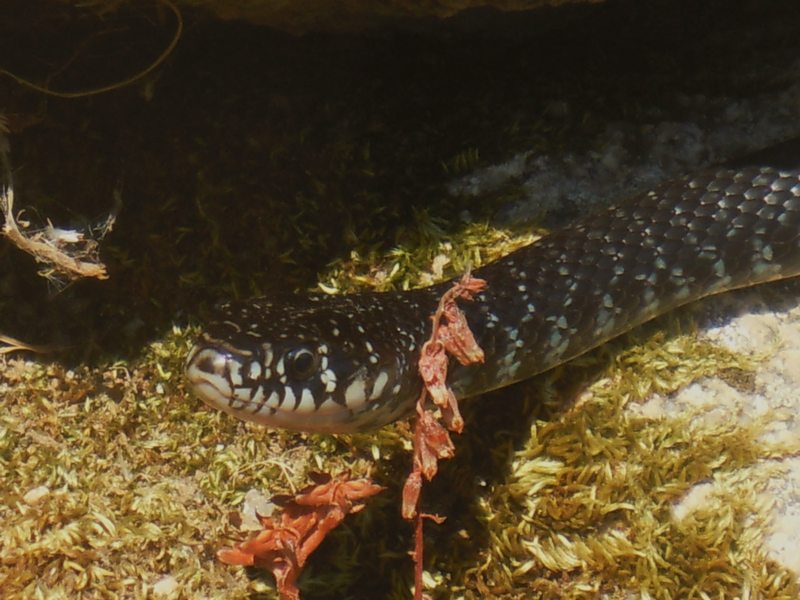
(207, 371)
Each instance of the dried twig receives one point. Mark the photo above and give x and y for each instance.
(450, 336)
(65, 253)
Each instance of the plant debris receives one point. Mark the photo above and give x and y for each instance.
(67, 254)
(450, 336)
(286, 542)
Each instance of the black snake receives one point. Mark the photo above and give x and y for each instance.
(348, 363)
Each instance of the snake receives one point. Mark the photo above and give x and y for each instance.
(348, 363)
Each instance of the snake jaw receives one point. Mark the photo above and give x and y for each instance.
(209, 375)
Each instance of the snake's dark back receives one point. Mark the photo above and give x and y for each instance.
(711, 232)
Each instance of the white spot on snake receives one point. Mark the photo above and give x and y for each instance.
(562, 322)
(521, 288)
(720, 284)
(279, 367)
(306, 402)
(368, 346)
(322, 349)
(681, 281)
(373, 358)
(396, 388)
(766, 252)
(355, 393)
(256, 398)
(763, 268)
(682, 293)
(289, 397)
(234, 326)
(555, 339)
(273, 401)
(561, 348)
(255, 370)
(380, 382)
(335, 332)
(234, 373)
(609, 326)
(328, 375)
(608, 301)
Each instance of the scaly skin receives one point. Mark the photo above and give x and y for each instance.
(348, 363)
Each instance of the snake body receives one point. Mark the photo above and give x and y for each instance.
(349, 363)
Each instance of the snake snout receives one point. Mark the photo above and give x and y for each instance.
(209, 373)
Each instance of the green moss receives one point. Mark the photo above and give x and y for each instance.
(587, 505)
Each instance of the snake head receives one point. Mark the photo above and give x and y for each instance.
(311, 363)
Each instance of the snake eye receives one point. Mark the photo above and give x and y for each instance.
(301, 363)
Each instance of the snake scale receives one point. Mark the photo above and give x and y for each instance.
(348, 363)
